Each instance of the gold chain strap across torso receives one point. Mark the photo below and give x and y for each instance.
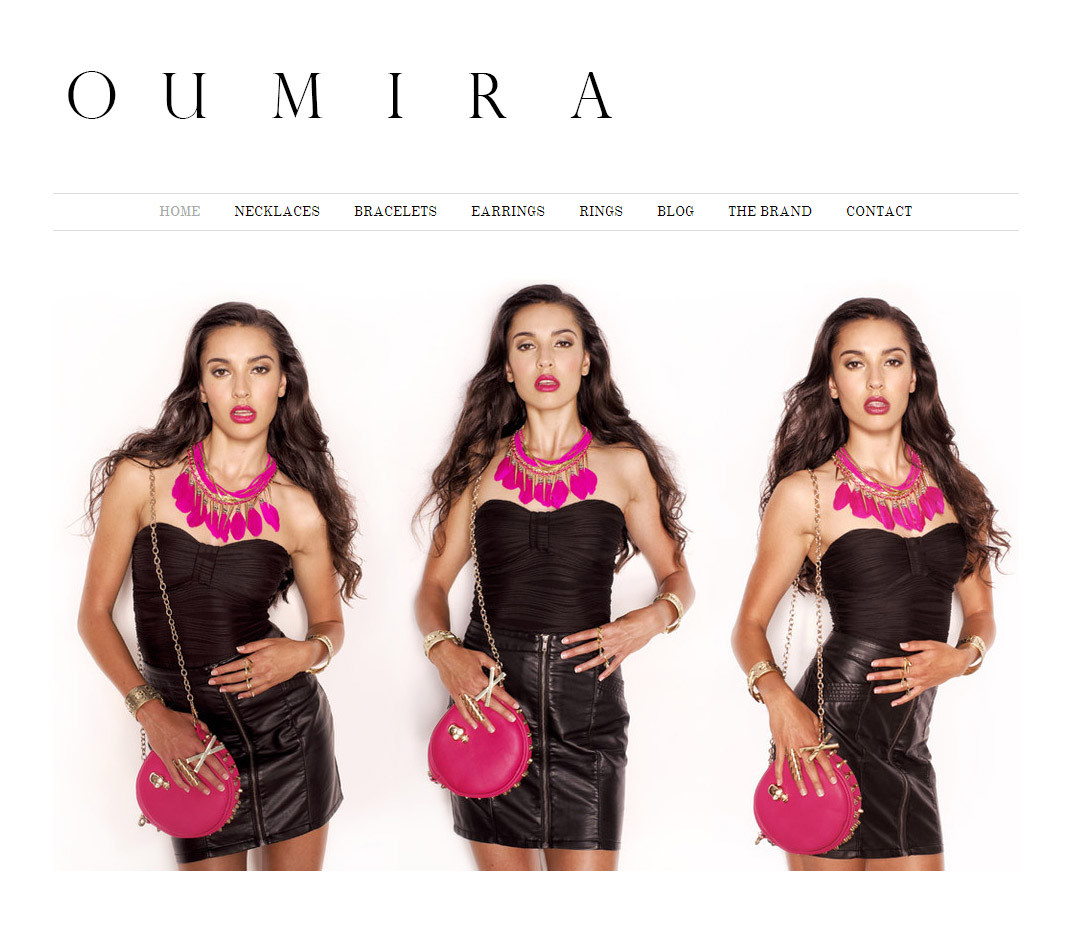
(818, 608)
(477, 574)
(165, 597)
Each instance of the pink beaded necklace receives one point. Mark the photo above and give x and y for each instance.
(910, 504)
(226, 513)
(547, 481)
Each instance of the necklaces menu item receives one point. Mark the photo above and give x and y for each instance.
(909, 505)
(226, 513)
(547, 482)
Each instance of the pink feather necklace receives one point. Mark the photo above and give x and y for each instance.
(909, 504)
(547, 481)
(226, 513)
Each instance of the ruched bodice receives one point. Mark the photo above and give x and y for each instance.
(888, 589)
(548, 571)
(220, 595)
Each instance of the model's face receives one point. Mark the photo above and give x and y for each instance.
(241, 380)
(872, 373)
(546, 360)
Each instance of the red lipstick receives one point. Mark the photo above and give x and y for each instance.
(242, 414)
(546, 383)
(877, 406)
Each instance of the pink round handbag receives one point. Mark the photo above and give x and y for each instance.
(808, 824)
(187, 813)
(476, 763)
(164, 804)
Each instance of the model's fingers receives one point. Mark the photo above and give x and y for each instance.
(823, 761)
(229, 678)
(503, 702)
(919, 645)
(906, 698)
(580, 636)
(231, 667)
(891, 662)
(257, 644)
(599, 659)
(611, 667)
(795, 770)
(779, 757)
(175, 777)
(812, 771)
(584, 649)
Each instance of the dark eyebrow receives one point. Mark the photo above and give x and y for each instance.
(885, 351)
(524, 333)
(254, 358)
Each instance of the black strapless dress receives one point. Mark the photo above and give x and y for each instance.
(885, 589)
(545, 575)
(283, 739)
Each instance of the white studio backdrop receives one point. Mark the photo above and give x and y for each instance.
(706, 332)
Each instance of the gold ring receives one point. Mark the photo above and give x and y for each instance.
(905, 667)
(475, 709)
(186, 772)
(607, 661)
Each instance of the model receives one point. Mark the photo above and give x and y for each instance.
(562, 487)
(866, 474)
(220, 507)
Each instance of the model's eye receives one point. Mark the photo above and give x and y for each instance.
(219, 372)
(564, 343)
(260, 370)
(853, 364)
(894, 362)
(524, 346)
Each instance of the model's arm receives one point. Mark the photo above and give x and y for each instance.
(268, 662)
(930, 663)
(787, 533)
(636, 628)
(171, 734)
(462, 671)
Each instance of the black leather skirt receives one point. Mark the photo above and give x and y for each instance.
(572, 796)
(283, 743)
(885, 746)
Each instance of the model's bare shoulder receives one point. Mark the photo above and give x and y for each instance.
(793, 502)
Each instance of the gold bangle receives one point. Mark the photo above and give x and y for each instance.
(981, 648)
(677, 603)
(757, 671)
(139, 695)
(326, 640)
(438, 636)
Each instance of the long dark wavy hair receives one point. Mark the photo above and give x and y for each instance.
(493, 410)
(814, 426)
(296, 438)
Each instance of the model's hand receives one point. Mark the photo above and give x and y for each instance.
(794, 727)
(464, 672)
(172, 736)
(930, 663)
(611, 643)
(266, 663)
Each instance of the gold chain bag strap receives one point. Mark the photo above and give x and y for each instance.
(474, 763)
(807, 824)
(165, 805)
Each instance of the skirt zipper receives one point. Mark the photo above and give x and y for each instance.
(905, 778)
(543, 714)
(257, 810)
